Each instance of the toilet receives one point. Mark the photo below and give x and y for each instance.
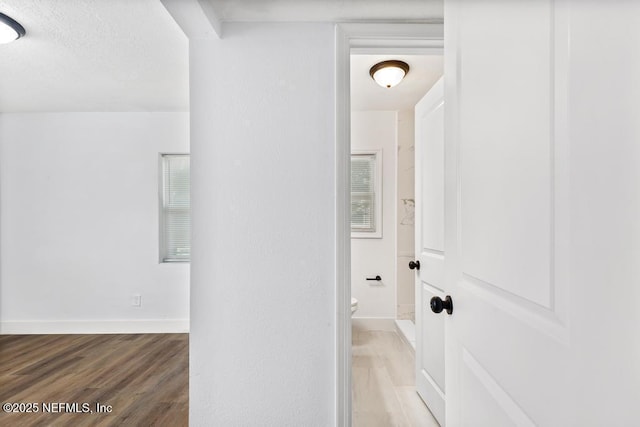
(354, 305)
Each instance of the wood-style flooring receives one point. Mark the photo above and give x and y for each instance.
(383, 390)
(143, 377)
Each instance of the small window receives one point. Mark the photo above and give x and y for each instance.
(366, 194)
(175, 208)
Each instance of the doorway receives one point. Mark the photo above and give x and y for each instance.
(360, 39)
(382, 240)
(382, 161)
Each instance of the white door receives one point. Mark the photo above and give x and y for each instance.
(429, 240)
(542, 223)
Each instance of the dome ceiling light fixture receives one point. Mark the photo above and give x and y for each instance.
(10, 29)
(389, 73)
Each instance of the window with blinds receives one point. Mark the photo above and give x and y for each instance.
(175, 208)
(365, 193)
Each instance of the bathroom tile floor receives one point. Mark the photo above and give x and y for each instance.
(383, 389)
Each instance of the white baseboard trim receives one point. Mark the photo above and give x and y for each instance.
(94, 327)
(373, 323)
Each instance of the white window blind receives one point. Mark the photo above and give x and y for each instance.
(175, 208)
(363, 192)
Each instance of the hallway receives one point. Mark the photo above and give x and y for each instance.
(384, 382)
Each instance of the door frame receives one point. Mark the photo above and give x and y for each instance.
(374, 38)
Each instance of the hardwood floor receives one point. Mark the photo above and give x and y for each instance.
(144, 377)
(383, 388)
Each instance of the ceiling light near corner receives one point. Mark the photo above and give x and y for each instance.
(10, 30)
(389, 73)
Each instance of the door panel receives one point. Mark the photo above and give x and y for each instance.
(507, 203)
(431, 115)
(484, 399)
(432, 269)
(506, 163)
(433, 332)
(429, 229)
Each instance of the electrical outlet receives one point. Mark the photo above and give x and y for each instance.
(136, 301)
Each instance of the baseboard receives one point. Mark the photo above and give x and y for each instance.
(373, 323)
(95, 327)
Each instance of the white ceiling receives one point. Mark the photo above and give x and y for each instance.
(327, 10)
(94, 55)
(129, 55)
(366, 94)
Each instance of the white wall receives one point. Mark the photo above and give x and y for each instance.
(262, 343)
(79, 223)
(371, 257)
(405, 215)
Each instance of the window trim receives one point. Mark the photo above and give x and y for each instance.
(377, 233)
(161, 216)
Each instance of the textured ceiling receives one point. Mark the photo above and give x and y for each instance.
(327, 10)
(368, 95)
(130, 55)
(94, 55)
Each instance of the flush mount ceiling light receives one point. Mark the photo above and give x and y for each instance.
(10, 30)
(389, 73)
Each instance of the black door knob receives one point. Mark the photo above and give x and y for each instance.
(437, 305)
(414, 264)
